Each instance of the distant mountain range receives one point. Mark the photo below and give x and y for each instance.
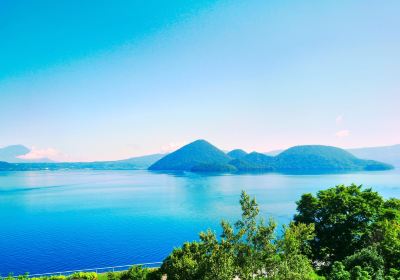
(12, 153)
(201, 156)
(142, 162)
(388, 154)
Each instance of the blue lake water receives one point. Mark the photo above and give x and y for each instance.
(65, 220)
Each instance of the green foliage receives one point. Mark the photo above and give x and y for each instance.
(343, 218)
(387, 235)
(53, 277)
(293, 264)
(135, 273)
(348, 232)
(357, 273)
(369, 260)
(354, 226)
(248, 249)
(113, 275)
(394, 274)
(84, 275)
(364, 264)
(339, 272)
(185, 262)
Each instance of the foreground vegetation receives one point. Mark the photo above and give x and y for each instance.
(343, 233)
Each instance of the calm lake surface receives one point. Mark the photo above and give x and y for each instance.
(64, 220)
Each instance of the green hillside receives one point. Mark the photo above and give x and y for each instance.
(237, 153)
(318, 157)
(254, 162)
(196, 155)
(201, 156)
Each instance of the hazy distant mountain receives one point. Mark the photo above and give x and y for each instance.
(11, 154)
(198, 155)
(142, 162)
(134, 163)
(236, 154)
(388, 154)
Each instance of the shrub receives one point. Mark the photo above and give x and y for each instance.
(135, 273)
(113, 275)
(84, 275)
(248, 249)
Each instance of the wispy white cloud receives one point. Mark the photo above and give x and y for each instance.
(47, 153)
(343, 133)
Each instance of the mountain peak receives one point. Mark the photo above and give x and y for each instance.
(11, 153)
(197, 153)
(237, 153)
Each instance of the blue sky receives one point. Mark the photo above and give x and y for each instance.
(93, 80)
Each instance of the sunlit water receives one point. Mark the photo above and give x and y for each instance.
(62, 220)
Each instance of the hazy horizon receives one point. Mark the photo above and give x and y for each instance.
(37, 154)
(90, 81)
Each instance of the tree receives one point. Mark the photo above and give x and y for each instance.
(366, 264)
(248, 249)
(339, 272)
(353, 225)
(369, 260)
(293, 264)
(252, 241)
(343, 217)
(357, 273)
(185, 263)
(387, 234)
(245, 250)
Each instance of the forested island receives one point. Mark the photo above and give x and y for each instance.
(201, 156)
